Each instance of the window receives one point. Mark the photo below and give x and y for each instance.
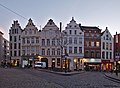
(87, 43)
(19, 37)
(80, 50)
(10, 45)
(106, 55)
(103, 45)
(110, 55)
(80, 40)
(23, 40)
(28, 50)
(19, 46)
(97, 54)
(107, 45)
(48, 52)
(70, 31)
(97, 44)
(92, 44)
(58, 61)
(48, 42)
(43, 51)
(75, 32)
(28, 40)
(53, 42)
(53, 51)
(58, 51)
(75, 40)
(30, 31)
(70, 40)
(43, 42)
(19, 53)
(25, 32)
(75, 50)
(10, 38)
(15, 31)
(23, 52)
(58, 41)
(70, 49)
(32, 40)
(15, 46)
(37, 49)
(15, 38)
(65, 40)
(103, 55)
(92, 53)
(37, 39)
(10, 53)
(87, 53)
(15, 53)
(110, 46)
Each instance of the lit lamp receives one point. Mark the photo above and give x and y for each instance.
(75, 61)
(39, 58)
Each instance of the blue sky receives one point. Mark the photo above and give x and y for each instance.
(102, 13)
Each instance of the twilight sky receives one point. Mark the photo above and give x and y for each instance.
(102, 13)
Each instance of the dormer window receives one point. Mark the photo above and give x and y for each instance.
(70, 26)
(75, 26)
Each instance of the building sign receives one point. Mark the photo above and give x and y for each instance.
(93, 60)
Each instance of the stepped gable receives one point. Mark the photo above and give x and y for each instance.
(50, 25)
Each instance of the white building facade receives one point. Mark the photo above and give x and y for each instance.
(30, 44)
(106, 50)
(74, 45)
(15, 43)
(50, 44)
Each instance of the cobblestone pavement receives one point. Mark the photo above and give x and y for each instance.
(31, 78)
(16, 78)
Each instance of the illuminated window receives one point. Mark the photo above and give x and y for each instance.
(97, 44)
(110, 46)
(107, 45)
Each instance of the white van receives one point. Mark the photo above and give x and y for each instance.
(39, 64)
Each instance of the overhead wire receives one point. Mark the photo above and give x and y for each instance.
(12, 11)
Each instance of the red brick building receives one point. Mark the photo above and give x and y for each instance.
(117, 49)
(92, 48)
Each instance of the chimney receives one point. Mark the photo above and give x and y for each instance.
(116, 33)
(60, 26)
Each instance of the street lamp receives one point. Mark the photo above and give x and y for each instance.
(75, 61)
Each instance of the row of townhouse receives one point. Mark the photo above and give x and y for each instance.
(76, 47)
(4, 49)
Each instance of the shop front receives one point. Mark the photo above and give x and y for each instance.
(92, 64)
(107, 65)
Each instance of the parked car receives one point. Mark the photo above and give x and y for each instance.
(39, 64)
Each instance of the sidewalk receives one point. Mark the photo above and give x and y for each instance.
(61, 73)
(113, 76)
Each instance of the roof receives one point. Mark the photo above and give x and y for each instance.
(1, 33)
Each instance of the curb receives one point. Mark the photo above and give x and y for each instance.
(64, 74)
(112, 77)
